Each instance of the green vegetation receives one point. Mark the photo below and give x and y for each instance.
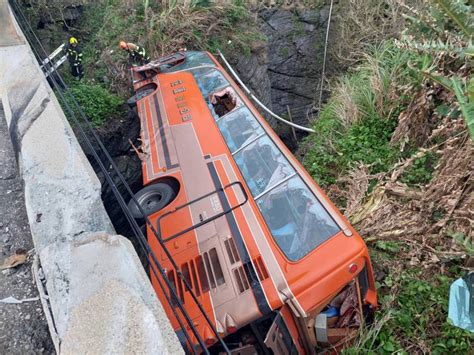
(421, 170)
(448, 28)
(162, 27)
(98, 104)
(409, 316)
(358, 122)
(397, 112)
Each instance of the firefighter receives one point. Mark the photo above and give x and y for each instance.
(136, 53)
(74, 55)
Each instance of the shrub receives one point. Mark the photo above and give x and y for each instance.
(357, 123)
(98, 104)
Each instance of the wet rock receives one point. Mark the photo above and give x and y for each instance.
(295, 54)
(116, 137)
(253, 70)
(285, 69)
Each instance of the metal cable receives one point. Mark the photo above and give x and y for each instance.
(323, 71)
(122, 202)
(247, 90)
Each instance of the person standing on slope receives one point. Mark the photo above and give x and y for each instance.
(74, 56)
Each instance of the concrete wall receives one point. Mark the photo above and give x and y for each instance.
(100, 298)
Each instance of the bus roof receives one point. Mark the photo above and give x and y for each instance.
(297, 219)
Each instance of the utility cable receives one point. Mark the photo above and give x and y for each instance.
(323, 71)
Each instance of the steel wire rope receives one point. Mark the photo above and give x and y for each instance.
(323, 71)
(260, 103)
(123, 205)
(135, 226)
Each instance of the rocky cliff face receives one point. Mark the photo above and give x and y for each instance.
(286, 70)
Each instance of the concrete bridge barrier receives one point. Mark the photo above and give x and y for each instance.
(99, 297)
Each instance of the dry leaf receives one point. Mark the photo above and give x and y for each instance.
(16, 259)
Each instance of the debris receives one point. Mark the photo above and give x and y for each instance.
(461, 302)
(38, 217)
(13, 300)
(16, 259)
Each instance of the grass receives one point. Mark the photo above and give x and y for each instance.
(413, 314)
(357, 123)
(161, 27)
(421, 170)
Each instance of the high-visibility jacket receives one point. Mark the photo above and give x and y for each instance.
(74, 54)
(137, 54)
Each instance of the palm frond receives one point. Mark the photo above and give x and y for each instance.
(459, 13)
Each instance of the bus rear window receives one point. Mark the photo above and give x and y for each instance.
(298, 222)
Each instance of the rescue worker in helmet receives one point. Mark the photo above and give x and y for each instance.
(137, 54)
(74, 56)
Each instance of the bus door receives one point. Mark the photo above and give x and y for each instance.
(283, 337)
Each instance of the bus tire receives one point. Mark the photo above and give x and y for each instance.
(151, 199)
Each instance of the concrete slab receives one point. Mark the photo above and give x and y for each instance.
(100, 298)
(112, 307)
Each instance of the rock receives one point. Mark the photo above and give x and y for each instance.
(312, 17)
(295, 54)
(8, 272)
(380, 275)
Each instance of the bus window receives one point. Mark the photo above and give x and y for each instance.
(202, 274)
(193, 59)
(262, 165)
(298, 222)
(209, 80)
(239, 128)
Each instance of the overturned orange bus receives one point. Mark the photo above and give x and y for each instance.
(272, 262)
